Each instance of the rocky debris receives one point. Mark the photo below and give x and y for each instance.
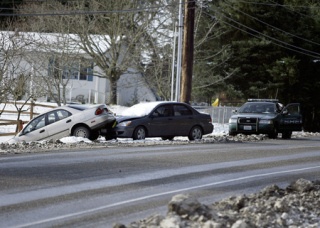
(296, 206)
(32, 147)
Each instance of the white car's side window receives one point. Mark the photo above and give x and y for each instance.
(62, 114)
(35, 124)
(51, 118)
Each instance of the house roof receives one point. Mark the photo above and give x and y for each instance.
(55, 42)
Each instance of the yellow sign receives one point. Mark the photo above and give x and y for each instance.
(216, 103)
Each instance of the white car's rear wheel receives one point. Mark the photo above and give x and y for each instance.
(81, 131)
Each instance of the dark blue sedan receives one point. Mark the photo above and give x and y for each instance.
(162, 119)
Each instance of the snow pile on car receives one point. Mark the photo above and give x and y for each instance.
(295, 206)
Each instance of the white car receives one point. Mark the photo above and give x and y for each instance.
(71, 120)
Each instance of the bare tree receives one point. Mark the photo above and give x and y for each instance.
(111, 34)
(159, 43)
(13, 71)
(118, 36)
(8, 50)
(56, 57)
(16, 74)
(121, 27)
(158, 71)
(56, 61)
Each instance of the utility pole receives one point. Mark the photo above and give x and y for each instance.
(179, 57)
(187, 54)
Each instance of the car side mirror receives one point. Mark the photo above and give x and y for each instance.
(235, 110)
(285, 112)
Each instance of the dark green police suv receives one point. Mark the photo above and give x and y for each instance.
(266, 116)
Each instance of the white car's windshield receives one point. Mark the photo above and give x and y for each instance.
(139, 110)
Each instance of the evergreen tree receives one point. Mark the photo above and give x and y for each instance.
(7, 10)
(275, 47)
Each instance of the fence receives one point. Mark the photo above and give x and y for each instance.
(219, 115)
(19, 123)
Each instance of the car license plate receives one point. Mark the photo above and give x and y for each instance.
(247, 128)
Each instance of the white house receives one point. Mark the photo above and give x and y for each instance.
(46, 55)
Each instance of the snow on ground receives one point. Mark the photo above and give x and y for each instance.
(219, 129)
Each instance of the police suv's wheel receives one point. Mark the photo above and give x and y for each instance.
(139, 133)
(195, 133)
(273, 134)
(81, 132)
(286, 134)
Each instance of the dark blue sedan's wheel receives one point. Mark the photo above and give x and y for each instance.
(139, 133)
(81, 131)
(195, 133)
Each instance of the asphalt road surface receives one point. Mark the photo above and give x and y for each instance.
(98, 187)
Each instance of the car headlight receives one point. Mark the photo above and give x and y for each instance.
(124, 123)
(266, 121)
(232, 120)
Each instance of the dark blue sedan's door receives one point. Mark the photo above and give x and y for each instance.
(161, 122)
(184, 119)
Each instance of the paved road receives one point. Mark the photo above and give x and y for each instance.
(95, 188)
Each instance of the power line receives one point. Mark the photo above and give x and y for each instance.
(277, 42)
(84, 12)
(289, 8)
(276, 4)
(276, 28)
(66, 13)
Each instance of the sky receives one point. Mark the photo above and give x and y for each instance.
(219, 129)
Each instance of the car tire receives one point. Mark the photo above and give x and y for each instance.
(139, 133)
(167, 138)
(81, 132)
(94, 135)
(195, 133)
(273, 134)
(286, 135)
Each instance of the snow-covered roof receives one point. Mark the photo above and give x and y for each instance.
(142, 109)
(48, 42)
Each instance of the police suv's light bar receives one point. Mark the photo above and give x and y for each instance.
(265, 100)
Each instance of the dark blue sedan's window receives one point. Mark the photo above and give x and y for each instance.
(181, 110)
(163, 111)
